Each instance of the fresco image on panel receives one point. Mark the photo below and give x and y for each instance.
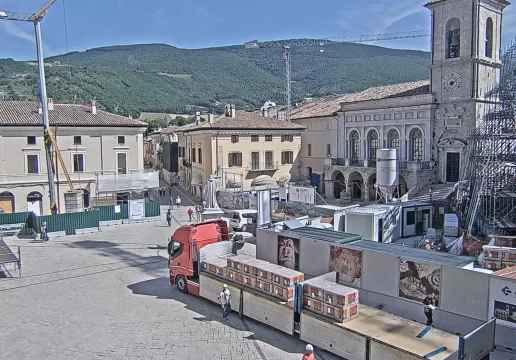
(288, 252)
(348, 263)
(418, 280)
(504, 311)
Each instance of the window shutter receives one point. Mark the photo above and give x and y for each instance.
(282, 157)
(230, 160)
(239, 156)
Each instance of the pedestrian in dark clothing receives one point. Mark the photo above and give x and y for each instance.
(169, 217)
(171, 203)
(430, 302)
(190, 214)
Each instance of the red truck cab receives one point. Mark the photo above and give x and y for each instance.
(183, 251)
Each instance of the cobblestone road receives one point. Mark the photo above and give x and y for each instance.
(106, 296)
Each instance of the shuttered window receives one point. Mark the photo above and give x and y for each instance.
(235, 159)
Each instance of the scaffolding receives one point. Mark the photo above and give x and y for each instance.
(487, 191)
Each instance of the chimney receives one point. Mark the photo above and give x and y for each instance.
(40, 109)
(50, 103)
(227, 112)
(264, 112)
(210, 118)
(94, 107)
(232, 111)
(197, 118)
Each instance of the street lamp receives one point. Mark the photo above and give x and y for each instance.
(431, 191)
(36, 20)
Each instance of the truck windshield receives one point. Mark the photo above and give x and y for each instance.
(175, 249)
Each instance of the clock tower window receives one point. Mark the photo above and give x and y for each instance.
(453, 38)
(489, 38)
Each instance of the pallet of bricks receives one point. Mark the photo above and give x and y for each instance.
(496, 257)
(337, 302)
(268, 278)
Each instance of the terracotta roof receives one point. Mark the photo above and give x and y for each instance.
(331, 104)
(246, 120)
(509, 272)
(14, 113)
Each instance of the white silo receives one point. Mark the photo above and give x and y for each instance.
(387, 176)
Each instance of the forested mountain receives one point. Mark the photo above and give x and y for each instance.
(162, 78)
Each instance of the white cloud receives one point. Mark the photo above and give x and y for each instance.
(15, 30)
(377, 18)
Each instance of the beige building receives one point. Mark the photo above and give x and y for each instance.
(238, 147)
(428, 122)
(91, 141)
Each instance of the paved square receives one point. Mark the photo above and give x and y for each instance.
(106, 296)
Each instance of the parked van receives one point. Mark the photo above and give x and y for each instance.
(242, 219)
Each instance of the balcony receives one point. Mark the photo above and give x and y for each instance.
(416, 165)
(371, 163)
(263, 166)
(187, 162)
(356, 162)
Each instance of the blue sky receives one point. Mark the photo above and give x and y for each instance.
(207, 23)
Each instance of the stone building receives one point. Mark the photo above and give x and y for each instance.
(427, 121)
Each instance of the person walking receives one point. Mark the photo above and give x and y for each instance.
(198, 212)
(178, 201)
(43, 234)
(171, 203)
(225, 301)
(427, 245)
(169, 217)
(429, 303)
(309, 353)
(190, 214)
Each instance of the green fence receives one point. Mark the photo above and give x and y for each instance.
(152, 209)
(69, 222)
(107, 213)
(15, 218)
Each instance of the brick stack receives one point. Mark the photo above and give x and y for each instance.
(496, 257)
(261, 275)
(340, 303)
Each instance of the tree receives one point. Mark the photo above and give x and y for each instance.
(160, 154)
(179, 121)
(156, 124)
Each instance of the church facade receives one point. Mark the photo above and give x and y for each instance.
(428, 122)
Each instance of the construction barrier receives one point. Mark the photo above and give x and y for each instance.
(14, 218)
(70, 222)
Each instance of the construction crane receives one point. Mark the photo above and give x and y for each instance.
(50, 140)
(288, 44)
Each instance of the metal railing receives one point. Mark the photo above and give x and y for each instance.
(371, 163)
(260, 166)
(338, 161)
(415, 165)
(356, 162)
(187, 162)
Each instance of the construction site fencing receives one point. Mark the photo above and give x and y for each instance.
(14, 218)
(70, 222)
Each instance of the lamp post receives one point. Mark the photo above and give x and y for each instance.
(431, 191)
(36, 20)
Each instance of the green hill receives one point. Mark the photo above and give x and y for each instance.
(162, 78)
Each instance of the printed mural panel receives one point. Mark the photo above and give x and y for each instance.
(418, 280)
(348, 263)
(288, 252)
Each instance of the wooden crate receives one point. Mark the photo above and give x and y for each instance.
(286, 277)
(340, 296)
(313, 305)
(341, 314)
(263, 286)
(285, 293)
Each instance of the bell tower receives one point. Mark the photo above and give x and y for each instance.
(465, 64)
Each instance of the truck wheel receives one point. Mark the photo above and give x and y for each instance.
(181, 284)
(243, 228)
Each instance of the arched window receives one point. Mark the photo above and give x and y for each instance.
(416, 145)
(453, 38)
(489, 38)
(6, 202)
(372, 143)
(355, 145)
(393, 140)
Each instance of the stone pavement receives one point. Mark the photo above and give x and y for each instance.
(106, 296)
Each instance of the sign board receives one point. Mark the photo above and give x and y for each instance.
(117, 209)
(136, 209)
(502, 301)
(299, 194)
(478, 343)
(283, 193)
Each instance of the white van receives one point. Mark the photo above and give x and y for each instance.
(242, 219)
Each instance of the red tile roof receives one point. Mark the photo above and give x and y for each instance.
(329, 105)
(245, 120)
(25, 113)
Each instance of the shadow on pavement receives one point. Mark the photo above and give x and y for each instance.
(160, 288)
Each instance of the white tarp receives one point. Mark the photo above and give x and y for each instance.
(137, 209)
(127, 182)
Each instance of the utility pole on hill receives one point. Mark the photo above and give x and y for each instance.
(287, 44)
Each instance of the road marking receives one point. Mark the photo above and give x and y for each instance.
(435, 352)
(423, 333)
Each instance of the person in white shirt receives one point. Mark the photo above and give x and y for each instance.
(225, 301)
